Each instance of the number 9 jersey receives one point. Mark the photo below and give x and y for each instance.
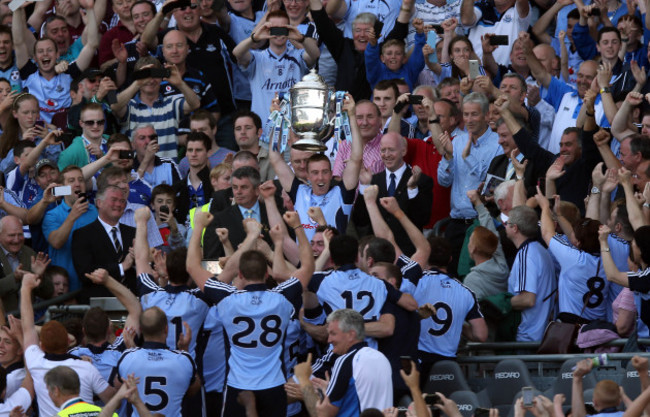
(454, 304)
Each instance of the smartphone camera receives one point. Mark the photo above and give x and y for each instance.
(164, 209)
(279, 31)
(83, 197)
(126, 154)
(415, 99)
(527, 396)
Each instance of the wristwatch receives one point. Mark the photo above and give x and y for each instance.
(607, 89)
(595, 190)
(436, 120)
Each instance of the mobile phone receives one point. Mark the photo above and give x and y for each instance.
(481, 412)
(499, 40)
(406, 363)
(527, 396)
(401, 411)
(379, 25)
(212, 265)
(279, 31)
(83, 197)
(320, 394)
(61, 191)
(142, 74)
(65, 137)
(432, 399)
(164, 209)
(438, 29)
(179, 4)
(399, 106)
(432, 40)
(415, 99)
(160, 72)
(473, 69)
(126, 154)
(40, 123)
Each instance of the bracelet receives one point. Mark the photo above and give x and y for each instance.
(589, 114)
(604, 250)
(297, 227)
(646, 205)
(253, 37)
(404, 9)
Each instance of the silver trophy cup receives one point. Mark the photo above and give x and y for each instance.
(313, 109)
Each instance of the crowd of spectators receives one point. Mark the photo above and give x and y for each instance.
(498, 154)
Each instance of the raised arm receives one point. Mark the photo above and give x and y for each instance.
(467, 15)
(192, 100)
(621, 125)
(353, 166)
(536, 67)
(141, 244)
(18, 28)
(282, 170)
(194, 253)
(30, 336)
(306, 269)
(611, 270)
(548, 226)
(423, 249)
(545, 20)
(123, 98)
(577, 398)
(634, 211)
(124, 295)
(92, 42)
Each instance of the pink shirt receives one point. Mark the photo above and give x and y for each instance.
(371, 157)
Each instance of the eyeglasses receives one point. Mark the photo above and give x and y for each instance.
(93, 122)
(293, 1)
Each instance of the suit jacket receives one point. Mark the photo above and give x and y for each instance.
(231, 219)
(222, 199)
(417, 209)
(9, 288)
(93, 248)
(499, 166)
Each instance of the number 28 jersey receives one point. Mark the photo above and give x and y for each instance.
(454, 303)
(255, 321)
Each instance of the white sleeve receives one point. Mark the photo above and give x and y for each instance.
(98, 383)
(33, 354)
(21, 398)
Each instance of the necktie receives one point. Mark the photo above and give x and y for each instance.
(510, 170)
(116, 242)
(249, 214)
(391, 186)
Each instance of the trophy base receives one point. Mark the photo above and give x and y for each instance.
(309, 145)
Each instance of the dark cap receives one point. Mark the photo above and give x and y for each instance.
(43, 162)
(90, 73)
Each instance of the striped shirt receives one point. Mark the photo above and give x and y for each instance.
(153, 234)
(371, 157)
(165, 115)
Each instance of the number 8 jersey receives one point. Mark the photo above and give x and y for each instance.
(255, 321)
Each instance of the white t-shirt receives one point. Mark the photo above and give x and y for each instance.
(19, 398)
(38, 363)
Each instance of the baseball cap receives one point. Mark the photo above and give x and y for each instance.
(43, 162)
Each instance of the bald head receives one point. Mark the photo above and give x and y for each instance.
(393, 151)
(153, 324)
(175, 48)
(12, 238)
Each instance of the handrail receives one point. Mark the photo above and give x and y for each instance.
(474, 346)
(52, 301)
(541, 358)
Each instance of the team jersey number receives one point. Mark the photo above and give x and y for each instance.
(178, 329)
(362, 296)
(271, 331)
(596, 286)
(445, 323)
(155, 385)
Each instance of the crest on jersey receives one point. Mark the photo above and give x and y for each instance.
(168, 88)
(15, 76)
(257, 300)
(50, 102)
(196, 89)
(211, 48)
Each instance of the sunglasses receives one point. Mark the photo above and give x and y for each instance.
(191, 6)
(93, 122)
(150, 137)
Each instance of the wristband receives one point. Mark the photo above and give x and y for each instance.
(434, 121)
(604, 250)
(297, 227)
(589, 114)
(404, 9)
(253, 37)
(607, 89)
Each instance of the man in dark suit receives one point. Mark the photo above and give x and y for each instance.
(245, 182)
(105, 243)
(13, 253)
(411, 189)
(501, 166)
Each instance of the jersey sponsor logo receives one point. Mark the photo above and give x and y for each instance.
(284, 85)
(507, 18)
(154, 356)
(442, 377)
(168, 88)
(507, 375)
